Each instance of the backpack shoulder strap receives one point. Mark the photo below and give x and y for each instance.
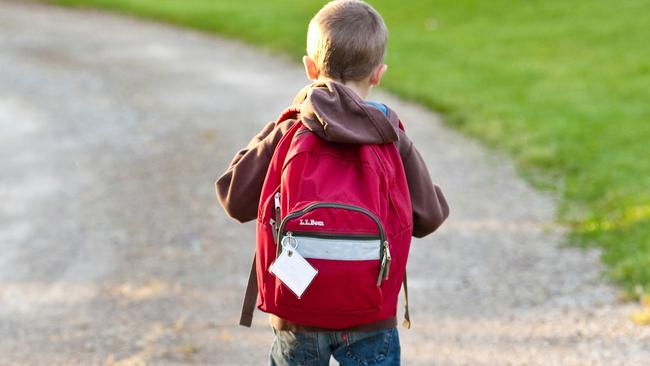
(287, 114)
(400, 125)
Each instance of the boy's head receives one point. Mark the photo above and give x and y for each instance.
(346, 42)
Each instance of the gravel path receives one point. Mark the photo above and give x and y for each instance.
(114, 251)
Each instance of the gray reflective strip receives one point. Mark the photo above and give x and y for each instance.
(338, 249)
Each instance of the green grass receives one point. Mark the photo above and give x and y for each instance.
(564, 86)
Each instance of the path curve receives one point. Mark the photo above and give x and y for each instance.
(114, 251)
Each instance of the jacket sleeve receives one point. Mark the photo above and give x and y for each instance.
(239, 188)
(430, 207)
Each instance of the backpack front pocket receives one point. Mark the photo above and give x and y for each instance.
(347, 274)
(351, 265)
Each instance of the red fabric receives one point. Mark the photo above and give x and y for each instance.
(307, 170)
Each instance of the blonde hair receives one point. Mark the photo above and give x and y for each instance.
(347, 40)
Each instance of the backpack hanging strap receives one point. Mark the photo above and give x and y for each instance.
(407, 317)
(250, 298)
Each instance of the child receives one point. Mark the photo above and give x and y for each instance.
(346, 43)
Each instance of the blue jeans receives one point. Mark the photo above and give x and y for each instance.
(380, 348)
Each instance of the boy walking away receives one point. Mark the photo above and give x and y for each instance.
(337, 189)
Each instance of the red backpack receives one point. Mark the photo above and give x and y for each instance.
(346, 208)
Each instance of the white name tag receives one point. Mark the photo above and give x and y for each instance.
(293, 271)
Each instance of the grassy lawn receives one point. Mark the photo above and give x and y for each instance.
(564, 86)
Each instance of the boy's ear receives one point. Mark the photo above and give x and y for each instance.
(310, 68)
(377, 74)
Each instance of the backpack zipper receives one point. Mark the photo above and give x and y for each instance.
(313, 206)
(385, 256)
(336, 236)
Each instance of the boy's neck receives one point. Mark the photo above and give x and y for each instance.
(361, 88)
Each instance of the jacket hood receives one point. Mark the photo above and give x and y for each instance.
(336, 113)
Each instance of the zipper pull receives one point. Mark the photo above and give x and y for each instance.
(283, 246)
(274, 231)
(277, 200)
(385, 264)
(382, 268)
(276, 223)
(388, 259)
